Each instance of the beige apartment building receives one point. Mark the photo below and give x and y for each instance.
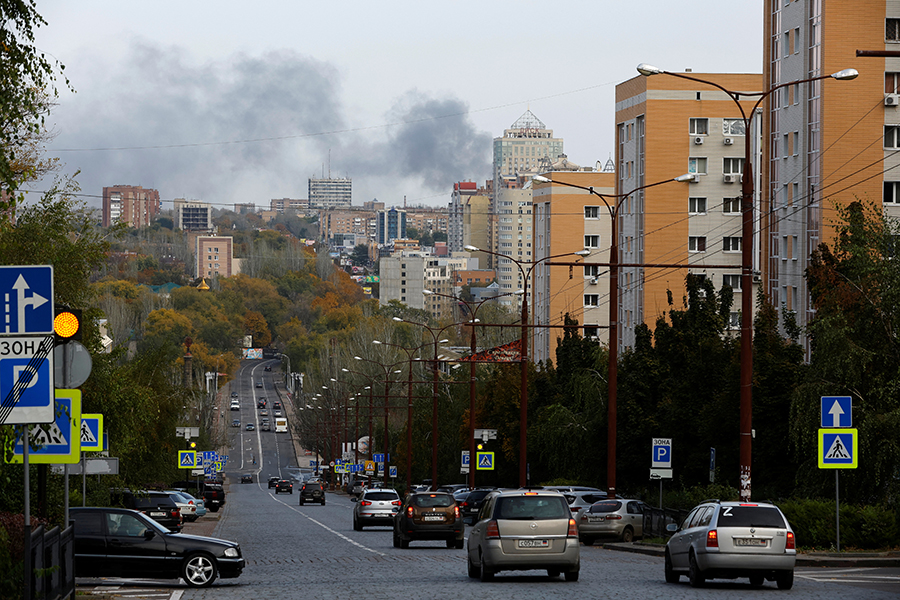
(131, 204)
(469, 220)
(213, 255)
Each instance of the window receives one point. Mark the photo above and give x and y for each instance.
(734, 320)
(732, 281)
(892, 192)
(697, 244)
(699, 126)
(591, 331)
(892, 30)
(591, 270)
(592, 241)
(697, 206)
(592, 299)
(591, 212)
(891, 82)
(732, 127)
(731, 206)
(731, 244)
(697, 164)
(733, 166)
(892, 136)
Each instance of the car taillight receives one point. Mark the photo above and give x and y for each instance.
(613, 517)
(574, 509)
(789, 544)
(456, 511)
(573, 529)
(409, 512)
(492, 532)
(365, 503)
(464, 503)
(712, 539)
(396, 503)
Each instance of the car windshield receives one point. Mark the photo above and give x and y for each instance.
(750, 516)
(432, 500)
(381, 496)
(606, 506)
(532, 508)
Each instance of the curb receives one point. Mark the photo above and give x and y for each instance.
(833, 560)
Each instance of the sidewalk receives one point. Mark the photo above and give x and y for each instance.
(812, 559)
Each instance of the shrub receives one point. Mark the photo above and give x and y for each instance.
(862, 527)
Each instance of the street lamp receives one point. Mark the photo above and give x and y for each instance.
(523, 405)
(612, 404)
(747, 231)
(387, 387)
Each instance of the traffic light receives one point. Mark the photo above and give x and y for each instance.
(67, 324)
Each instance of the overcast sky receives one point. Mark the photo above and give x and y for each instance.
(229, 101)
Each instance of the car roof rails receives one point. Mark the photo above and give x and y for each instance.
(712, 500)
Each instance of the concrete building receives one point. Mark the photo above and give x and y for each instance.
(330, 193)
(131, 204)
(192, 215)
(666, 127)
(568, 220)
(514, 238)
(470, 219)
(402, 277)
(213, 255)
(346, 221)
(830, 142)
(433, 220)
(289, 205)
(527, 144)
(390, 225)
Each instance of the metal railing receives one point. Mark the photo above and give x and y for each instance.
(52, 563)
(656, 519)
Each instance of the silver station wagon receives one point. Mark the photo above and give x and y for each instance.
(523, 530)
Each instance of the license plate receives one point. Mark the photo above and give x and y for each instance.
(433, 518)
(593, 519)
(157, 514)
(534, 543)
(749, 542)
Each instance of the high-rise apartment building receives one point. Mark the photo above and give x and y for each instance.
(469, 220)
(666, 127)
(330, 193)
(391, 225)
(129, 204)
(192, 215)
(828, 142)
(525, 146)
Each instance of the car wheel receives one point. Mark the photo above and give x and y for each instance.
(784, 579)
(451, 543)
(553, 573)
(460, 544)
(628, 535)
(323, 501)
(211, 508)
(474, 572)
(356, 525)
(199, 570)
(671, 575)
(404, 543)
(694, 573)
(301, 501)
(396, 539)
(571, 575)
(486, 574)
(757, 580)
(587, 540)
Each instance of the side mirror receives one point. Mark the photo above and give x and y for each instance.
(671, 527)
(354, 499)
(149, 534)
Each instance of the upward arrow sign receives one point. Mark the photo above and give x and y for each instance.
(836, 412)
(35, 300)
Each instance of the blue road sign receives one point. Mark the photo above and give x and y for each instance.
(28, 361)
(662, 453)
(187, 459)
(91, 433)
(465, 458)
(393, 472)
(61, 442)
(837, 411)
(209, 456)
(380, 458)
(485, 461)
(838, 449)
(28, 299)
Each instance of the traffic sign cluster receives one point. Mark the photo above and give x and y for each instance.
(838, 440)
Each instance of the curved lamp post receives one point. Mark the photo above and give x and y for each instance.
(612, 404)
(523, 404)
(747, 231)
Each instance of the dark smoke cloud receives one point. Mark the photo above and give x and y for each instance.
(156, 97)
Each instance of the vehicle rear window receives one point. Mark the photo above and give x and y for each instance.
(430, 500)
(606, 506)
(532, 508)
(381, 496)
(750, 516)
(152, 501)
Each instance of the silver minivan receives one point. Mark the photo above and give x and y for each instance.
(523, 530)
(727, 540)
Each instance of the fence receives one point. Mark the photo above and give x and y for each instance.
(52, 563)
(656, 519)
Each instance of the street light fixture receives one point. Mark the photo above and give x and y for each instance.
(523, 404)
(747, 231)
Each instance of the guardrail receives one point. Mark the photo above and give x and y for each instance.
(656, 519)
(52, 563)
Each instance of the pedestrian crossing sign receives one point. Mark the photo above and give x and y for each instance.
(485, 461)
(187, 459)
(92, 432)
(838, 449)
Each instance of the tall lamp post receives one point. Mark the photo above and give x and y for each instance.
(523, 404)
(612, 378)
(747, 231)
(387, 388)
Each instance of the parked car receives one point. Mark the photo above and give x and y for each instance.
(159, 506)
(579, 501)
(188, 510)
(613, 518)
(312, 490)
(452, 487)
(213, 495)
(429, 516)
(375, 507)
(522, 530)
(727, 540)
(472, 504)
(284, 485)
(273, 481)
(199, 503)
(118, 542)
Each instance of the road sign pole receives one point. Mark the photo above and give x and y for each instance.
(837, 507)
(26, 435)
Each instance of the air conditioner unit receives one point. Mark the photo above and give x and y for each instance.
(729, 178)
(729, 141)
(593, 281)
(699, 140)
(757, 278)
(892, 99)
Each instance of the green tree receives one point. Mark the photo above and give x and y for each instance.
(360, 255)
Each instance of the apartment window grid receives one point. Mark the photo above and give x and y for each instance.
(733, 281)
(696, 243)
(591, 271)
(698, 126)
(697, 206)
(731, 244)
(592, 299)
(733, 166)
(892, 30)
(592, 241)
(891, 82)
(892, 137)
(733, 127)
(697, 165)
(591, 212)
(731, 206)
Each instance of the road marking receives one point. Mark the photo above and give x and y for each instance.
(852, 575)
(327, 528)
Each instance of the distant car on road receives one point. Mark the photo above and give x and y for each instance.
(236, 423)
(259, 384)
(246, 478)
(429, 516)
(267, 368)
(312, 491)
(250, 427)
(284, 485)
(375, 507)
(273, 481)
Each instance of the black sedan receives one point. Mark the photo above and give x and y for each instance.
(118, 542)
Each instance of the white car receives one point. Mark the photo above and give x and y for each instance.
(188, 508)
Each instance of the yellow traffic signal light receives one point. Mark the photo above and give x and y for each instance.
(67, 324)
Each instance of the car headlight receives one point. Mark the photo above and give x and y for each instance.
(232, 552)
